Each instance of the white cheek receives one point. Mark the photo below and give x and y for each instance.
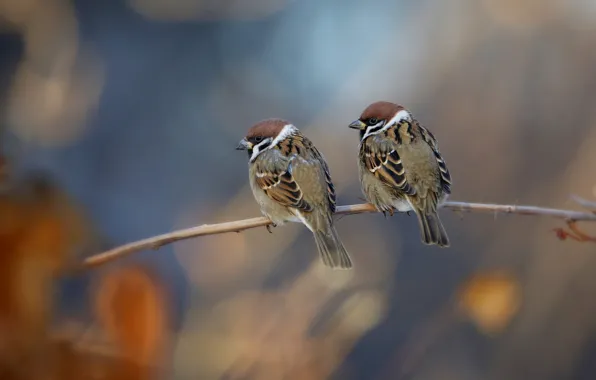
(255, 153)
(256, 150)
(400, 116)
(287, 130)
(368, 130)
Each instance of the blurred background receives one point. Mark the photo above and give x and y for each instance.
(119, 121)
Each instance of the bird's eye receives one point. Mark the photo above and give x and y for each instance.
(372, 121)
(258, 139)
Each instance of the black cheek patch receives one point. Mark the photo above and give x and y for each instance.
(375, 129)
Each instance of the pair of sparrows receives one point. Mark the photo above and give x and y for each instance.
(400, 168)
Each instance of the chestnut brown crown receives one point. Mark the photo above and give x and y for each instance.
(266, 128)
(261, 135)
(380, 111)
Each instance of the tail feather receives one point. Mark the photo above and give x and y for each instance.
(331, 249)
(431, 229)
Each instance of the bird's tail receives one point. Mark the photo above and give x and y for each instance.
(431, 229)
(331, 249)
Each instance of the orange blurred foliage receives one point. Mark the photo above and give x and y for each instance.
(40, 230)
(132, 305)
(490, 300)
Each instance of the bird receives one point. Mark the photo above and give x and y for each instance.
(401, 167)
(291, 182)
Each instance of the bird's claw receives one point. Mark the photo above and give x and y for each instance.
(408, 213)
(385, 212)
(269, 227)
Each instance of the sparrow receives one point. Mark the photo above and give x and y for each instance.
(401, 168)
(290, 181)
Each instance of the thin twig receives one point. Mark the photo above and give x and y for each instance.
(574, 233)
(585, 203)
(245, 224)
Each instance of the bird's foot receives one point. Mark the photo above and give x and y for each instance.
(269, 227)
(408, 213)
(388, 211)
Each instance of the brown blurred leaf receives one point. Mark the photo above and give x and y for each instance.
(39, 227)
(490, 300)
(131, 304)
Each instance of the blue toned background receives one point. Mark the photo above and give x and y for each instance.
(135, 109)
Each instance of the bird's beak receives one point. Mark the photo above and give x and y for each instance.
(357, 125)
(244, 145)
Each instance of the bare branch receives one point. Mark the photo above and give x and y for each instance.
(241, 225)
(574, 233)
(584, 203)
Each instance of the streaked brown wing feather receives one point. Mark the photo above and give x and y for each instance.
(281, 187)
(298, 145)
(430, 139)
(295, 161)
(384, 162)
(330, 188)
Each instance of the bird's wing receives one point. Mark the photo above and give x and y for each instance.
(430, 139)
(309, 170)
(274, 175)
(382, 160)
(323, 175)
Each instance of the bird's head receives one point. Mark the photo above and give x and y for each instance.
(265, 135)
(379, 116)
